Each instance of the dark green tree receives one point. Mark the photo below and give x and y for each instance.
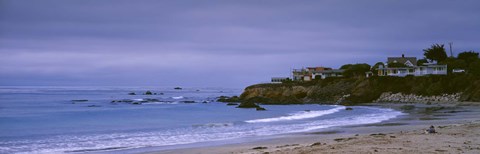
(346, 66)
(454, 63)
(435, 53)
(287, 80)
(355, 70)
(468, 56)
(420, 62)
(474, 68)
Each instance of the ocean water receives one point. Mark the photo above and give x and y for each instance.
(46, 120)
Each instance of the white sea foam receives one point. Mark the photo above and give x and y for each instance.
(161, 102)
(299, 115)
(178, 97)
(381, 115)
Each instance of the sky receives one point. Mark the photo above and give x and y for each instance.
(209, 43)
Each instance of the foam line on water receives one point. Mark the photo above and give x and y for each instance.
(178, 97)
(299, 115)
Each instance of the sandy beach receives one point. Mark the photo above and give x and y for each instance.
(457, 126)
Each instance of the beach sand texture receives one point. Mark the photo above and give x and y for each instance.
(462, 138)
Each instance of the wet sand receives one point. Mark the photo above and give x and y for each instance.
(458, 127)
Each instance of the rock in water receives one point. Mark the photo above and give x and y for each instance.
(177, 88)
(79, 100)
(148, 93)
(348, 108)
(247, 105)
(151, 100)
(137, 103)
(228, 99)
(261, 109)
(232, 104)
(131, 93)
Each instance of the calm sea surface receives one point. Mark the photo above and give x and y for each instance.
(46, 120)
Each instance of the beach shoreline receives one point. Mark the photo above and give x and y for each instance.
(458, 125)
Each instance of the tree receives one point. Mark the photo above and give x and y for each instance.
(287, 80)
(435, 53)
(468, 56)
(474, 68)
(346, 66)
(420, 62)
(355, 70)
(454, 63)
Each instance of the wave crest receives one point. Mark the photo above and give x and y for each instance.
(299, 115)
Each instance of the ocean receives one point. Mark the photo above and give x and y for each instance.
(105, 119)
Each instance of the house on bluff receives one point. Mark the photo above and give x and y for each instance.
(403, 66)
(311, 73)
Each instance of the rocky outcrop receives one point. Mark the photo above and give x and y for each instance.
(228, 99)
(231, 104)
(260, 109)
(148, 93)
(342, 99)
(80, 100)
(276, 95)
(248, 105)
(327, 91)
(411, 98)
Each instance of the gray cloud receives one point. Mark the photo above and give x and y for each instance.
(215, 43)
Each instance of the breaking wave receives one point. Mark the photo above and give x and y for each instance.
(299, 115)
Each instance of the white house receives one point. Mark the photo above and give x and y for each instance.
(410, 68)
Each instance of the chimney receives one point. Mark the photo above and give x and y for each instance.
(403, 56)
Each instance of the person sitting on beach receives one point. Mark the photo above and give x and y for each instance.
(431, 130)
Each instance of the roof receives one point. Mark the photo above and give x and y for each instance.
(319, 68)
(402, 60)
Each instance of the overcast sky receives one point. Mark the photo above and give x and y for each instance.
(216, 43)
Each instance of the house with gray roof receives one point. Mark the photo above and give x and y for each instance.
(403, 66)
(408, 61)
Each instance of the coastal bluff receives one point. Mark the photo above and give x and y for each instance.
(351, 91)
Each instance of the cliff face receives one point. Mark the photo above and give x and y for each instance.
(363, 90)
(328, 91)
(273, 94)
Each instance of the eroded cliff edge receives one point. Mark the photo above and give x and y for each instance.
(349, 91)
